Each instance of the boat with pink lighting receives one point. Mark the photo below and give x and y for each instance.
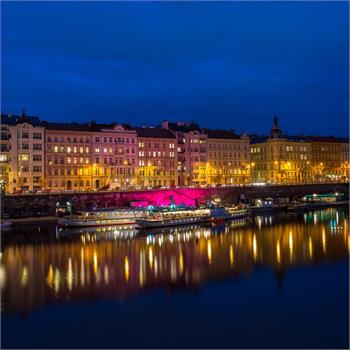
(114, 217)
(190, 216)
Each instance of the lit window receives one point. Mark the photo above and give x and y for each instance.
(55, 149)
(25, 157)
(69, 149)
(97, 149)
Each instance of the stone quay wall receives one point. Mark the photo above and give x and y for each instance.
(46, 203)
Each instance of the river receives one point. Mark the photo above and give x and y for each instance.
(270, 281)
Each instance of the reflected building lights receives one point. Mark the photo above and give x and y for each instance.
(49, 278)
(70, 274)
(57, 280)
(209, 251)
(126, 268)
(232, 258)
(278, 252)
(324, 247)
(310, 247)
(290, 242)
(255, 248)
(24, 276)
(181, 263)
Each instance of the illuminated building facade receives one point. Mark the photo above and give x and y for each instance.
(22, 153)
(114, 156)
(5, 146)
(328, 157)
(228, 160)
(344, 162)
(157, 158)
(280, 159)
(67, 157)
(55, 157)
(192, 152)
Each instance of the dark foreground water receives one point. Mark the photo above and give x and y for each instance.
(278, 281)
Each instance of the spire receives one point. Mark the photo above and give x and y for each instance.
(275, 131)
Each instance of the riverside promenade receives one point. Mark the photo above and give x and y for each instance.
(46, 203)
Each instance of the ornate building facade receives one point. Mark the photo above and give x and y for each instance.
(280, 159)
(157, 158)
(55, 157)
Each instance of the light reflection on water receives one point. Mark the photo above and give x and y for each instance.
(44, 265)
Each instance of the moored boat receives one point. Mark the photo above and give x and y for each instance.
(102, 218)
(190, 217)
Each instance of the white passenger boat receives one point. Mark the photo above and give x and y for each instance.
(189, 217)
(102, 218)
(113, 217)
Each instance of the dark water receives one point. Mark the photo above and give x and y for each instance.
(277, 281)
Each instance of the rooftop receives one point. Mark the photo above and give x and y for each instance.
(221, 134)
(155, 133)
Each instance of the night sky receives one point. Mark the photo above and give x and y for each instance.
(228, 64)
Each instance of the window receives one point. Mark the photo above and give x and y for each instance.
(69, 149)
(36, 179)
(25, 168)
(25, 157)
(37, 146)
(97, 150)
(37, 169)
(25, 146)
(37, 158)
(25, 135)
(37, 136)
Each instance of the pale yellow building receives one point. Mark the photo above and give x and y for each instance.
(228, 160)
(26, 155)
(280, 159)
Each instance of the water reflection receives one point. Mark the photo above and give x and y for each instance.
(47, 266)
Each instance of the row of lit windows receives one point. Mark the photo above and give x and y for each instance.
(68, 149)
(116, 140)
(156, 163)
(25, 168)
(156, 154)
(156, 145)
(57, 138)
(228, 146)
(25, 157)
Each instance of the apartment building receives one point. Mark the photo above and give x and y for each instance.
(157, 158)
(68, 165)
(114, 155)
(280, 159)
(22, 155)
(228, 158)
(192, 153)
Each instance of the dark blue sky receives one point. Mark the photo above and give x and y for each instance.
(228, 64)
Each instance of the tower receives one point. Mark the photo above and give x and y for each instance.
(275, 132)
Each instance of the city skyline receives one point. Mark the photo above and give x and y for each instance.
(231, 64)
